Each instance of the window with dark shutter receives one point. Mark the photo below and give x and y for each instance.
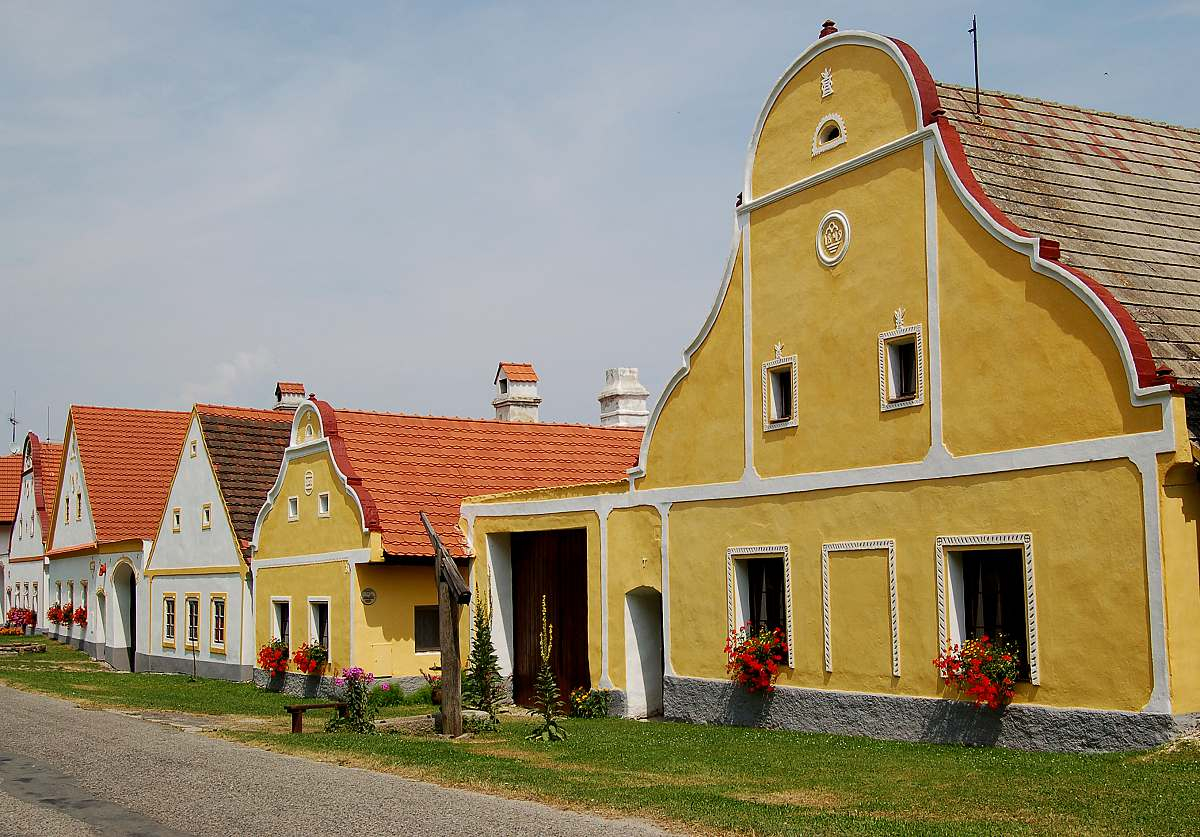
(426, 628)
(994, 599)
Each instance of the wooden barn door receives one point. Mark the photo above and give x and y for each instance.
(553, 564)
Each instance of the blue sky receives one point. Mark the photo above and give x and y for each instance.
(384, 200)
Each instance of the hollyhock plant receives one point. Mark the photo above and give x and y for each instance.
(360, 712)
(982, 669)
(754, 658)
(273, 657)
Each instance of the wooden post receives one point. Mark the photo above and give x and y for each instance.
(452, 594)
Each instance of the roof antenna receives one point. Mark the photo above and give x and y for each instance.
(974, 30)
(12, 419)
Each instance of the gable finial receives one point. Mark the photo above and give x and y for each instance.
(779, 350)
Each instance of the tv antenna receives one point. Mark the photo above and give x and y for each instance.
(12, 419)
(974, 30)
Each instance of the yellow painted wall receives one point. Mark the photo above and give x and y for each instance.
(831, 318)
(1090, 571)
(634, 560)
(1024, 361)
(698, 437)
(330, 579)
(1179, 504)
(384, 631)
(535, 523)
(860, 614)
(870, 93)
(311, 535)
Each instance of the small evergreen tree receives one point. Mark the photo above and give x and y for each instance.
(482, 681)
(547, 701)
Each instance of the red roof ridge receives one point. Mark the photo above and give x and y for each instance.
(265, 413)
(126, 409)
(491, 421)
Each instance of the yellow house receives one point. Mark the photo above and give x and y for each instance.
(340, 555)
(913, 417)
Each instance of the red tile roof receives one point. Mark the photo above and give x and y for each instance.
(401, 465)
(519, 372)
(47, 458)
(10, 486)
(129, 459)
(289, 388)
(245, 447)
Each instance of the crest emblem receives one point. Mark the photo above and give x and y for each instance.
(833, 238)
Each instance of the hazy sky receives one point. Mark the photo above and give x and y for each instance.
(385, 200)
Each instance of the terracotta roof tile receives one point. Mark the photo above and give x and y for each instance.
(1120, 194)
(10, 486)
(47, 458)
(129, 459)
(409, 464)
(245, 447)
(290, 388)
(519, 372)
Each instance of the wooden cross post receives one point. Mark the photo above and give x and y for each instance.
(453, 593)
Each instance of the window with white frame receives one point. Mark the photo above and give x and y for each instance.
(78, 505)
(217, 620)
(168, 634)
(901, 366)
(193, 449)
(830, 133)
(281, 621)
(779, 380)
(176, 519)
(293, 508)
(206, 516)
(192, 611)
(323, 504)
(318, 622)
(759, 594)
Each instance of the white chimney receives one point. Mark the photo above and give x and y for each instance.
(288, 395)
(516, 393)
(623, 399)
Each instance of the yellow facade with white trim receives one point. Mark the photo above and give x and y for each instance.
(1031, 424)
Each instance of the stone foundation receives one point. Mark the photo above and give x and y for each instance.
(314, 685)
(1021, 727)
(208, 669)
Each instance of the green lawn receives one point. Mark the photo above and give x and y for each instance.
(710, 778)
(68, 673)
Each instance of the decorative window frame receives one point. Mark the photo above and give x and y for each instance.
(293, 509)
(901, 331)
(176, 520)
(323, 498)
(819, 147)
(893, 601)
(193, 449)
(206, 516)
(169, 641)
(215, 647)
(1024, 540)
(781, 551)
(312, 622)
(767, 368)
(189, 644)
(275, 627)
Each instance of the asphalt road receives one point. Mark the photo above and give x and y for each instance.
(68, 771)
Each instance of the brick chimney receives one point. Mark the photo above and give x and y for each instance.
(288, 395)
(516, 393)
(623, 399)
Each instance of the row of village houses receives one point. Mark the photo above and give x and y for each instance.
(946, 389)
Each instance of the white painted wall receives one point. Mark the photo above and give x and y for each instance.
(79, 528)
(643, 653)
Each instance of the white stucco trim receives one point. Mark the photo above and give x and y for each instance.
(1022, 540)
(781, 551)
(605, 680)
(664, 514)
(347, 556)
(933, 303)
(893, 604)
(819, 147)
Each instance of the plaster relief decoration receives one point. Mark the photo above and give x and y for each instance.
(833, 238)
(901, 365)
(737, 588)
(826, 83)
(949, 593)
(893, 604)
(780, 379)
(830, 133)
(308, 482)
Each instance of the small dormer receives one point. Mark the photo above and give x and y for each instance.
(306, 425)
(516, 393)
(288, 395)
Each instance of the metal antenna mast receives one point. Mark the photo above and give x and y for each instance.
(974, 30)
(12, 419)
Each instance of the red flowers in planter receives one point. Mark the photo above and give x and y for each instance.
(273, 658)
(755, 657)
(54, 614)
(21, 616)
(80, 617)
(66, 614)
(983, 670)
(310, 657)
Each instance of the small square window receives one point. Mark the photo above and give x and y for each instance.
(193, 448)
(206, 516)
(176, 519)
(427, 628)
(779, 392)
(323, 504)
(901, 367)
(293, 508)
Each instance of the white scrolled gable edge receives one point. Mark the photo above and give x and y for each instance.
(321, 443)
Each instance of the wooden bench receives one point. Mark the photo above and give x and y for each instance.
(298, 710)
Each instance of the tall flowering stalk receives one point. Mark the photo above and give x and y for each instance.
(360, 713)
(754, 658)
(982, 669)
(547, 701)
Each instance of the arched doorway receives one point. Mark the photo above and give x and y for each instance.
(643, 653)
(122, 633)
